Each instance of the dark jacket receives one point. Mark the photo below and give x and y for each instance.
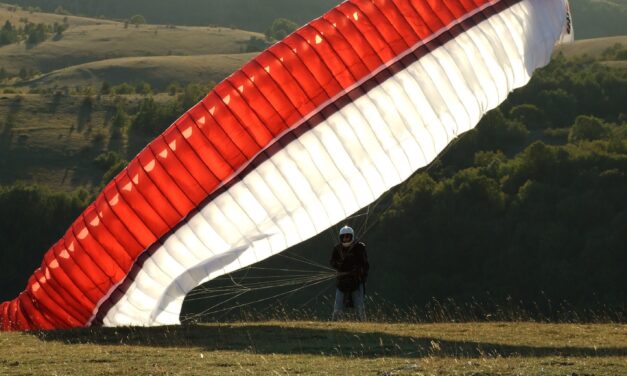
(351, 264)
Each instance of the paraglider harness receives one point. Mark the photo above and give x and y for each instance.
(352, 266)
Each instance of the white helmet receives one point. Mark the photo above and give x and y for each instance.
(347, 231)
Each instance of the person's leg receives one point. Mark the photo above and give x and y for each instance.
(358, 301)
(338, 307)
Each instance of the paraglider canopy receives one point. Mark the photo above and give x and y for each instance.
(308, 132)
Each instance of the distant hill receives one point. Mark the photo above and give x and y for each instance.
(592, 47)
(90, 40)
(593, 18)
(599, 18)
(159, 71)
(247, 14)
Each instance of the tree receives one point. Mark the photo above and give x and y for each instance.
(143, 88)
(530, 115)
(59, 28)
(280, 28)
(36, 33)
(105, 88)
(587, 128)
(8, 34)
(137, 20)
(255, 44)
(120, 119)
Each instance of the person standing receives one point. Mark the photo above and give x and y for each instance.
(350, 260)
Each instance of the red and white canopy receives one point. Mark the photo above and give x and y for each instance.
(308, 132)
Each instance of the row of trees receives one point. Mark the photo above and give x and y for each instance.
(30, 33)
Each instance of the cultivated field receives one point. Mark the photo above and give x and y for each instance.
(322, 348)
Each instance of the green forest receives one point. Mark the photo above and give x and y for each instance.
(591, 18)
(530, 205)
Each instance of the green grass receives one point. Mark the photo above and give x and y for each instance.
(315, 348)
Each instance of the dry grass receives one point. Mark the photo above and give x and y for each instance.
(46, 18)
(591, 47)
(318, 348)
(91, 40)
(159, 71)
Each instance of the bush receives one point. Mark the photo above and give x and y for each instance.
(587, 128)
(280, 28)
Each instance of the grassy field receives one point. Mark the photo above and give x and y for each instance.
(591, 47)
(318, 348)
(159, 71)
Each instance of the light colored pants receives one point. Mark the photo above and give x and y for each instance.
(358, 302)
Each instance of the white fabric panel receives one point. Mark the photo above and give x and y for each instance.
(347, 161)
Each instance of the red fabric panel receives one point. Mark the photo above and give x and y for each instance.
(92, 271)
(321, 38)
(65, 311)
(98, 228)
(144, 210)
(258, 103)
(179, 175)
(4, 316)
(64, 285)
(243, 118)
(23, 322)
(339, 55)
(76, 273)
(12, 314)
(376, 27)
(53, 312)
(361, 47)
(203, 115)
(34, 315)
(160, 177)
(97, 253)
(157, 213)
(133, 224)
(229, 125)
(122, 234)
(189, 158)
(269, 88)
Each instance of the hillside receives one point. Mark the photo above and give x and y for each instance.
(599, 18)
(159, 71)
(592, 18)
(246, 14)
(90, 41)
(321, 348)
(594, 47)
